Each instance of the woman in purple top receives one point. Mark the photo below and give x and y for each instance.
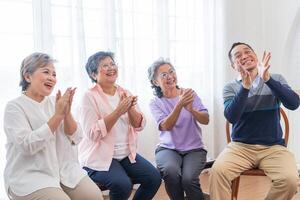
(180, 155)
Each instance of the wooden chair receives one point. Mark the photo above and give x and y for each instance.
(254, 172)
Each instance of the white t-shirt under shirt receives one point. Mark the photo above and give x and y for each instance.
(121, 149)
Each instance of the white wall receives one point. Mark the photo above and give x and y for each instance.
(270, 25)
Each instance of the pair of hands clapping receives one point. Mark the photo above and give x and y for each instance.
(126, 103)
(263, 71)
(63, 103)
(186, 99)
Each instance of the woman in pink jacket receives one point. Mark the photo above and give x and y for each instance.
(110, 119)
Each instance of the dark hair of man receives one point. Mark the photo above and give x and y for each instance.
(234, 45)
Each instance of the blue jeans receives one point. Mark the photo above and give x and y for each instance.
(180, 171)
(122, 174)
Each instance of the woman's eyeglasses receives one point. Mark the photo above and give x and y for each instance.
(165, 75)
(108, 66)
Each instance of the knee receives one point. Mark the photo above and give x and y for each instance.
(287, 181)
(92, 194)
(218, 169)
(56, 194)
(122, 187)
(151, 179)
(171, 173)
(189, 182)
(155, 179)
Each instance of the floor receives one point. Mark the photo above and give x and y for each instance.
(256, 186)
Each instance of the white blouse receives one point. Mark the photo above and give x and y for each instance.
(36, 158)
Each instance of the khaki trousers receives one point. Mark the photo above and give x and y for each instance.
(85, 190)
(277, 162)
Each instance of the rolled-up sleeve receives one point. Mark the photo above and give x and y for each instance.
(157, 112)
(19, 132)
(76, 137)
(92, 123)
(143, 123)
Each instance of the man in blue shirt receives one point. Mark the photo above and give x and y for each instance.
(252, 105)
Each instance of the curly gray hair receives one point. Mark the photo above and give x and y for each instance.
(152, 74)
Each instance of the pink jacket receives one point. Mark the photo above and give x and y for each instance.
(97, 146)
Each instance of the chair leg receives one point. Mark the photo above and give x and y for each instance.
(235, 188)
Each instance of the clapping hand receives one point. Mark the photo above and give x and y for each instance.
(134, 101)
(63, 102)
(263, 66)
(124, 104)
(72, 92)
(186, 99)
(246, 78)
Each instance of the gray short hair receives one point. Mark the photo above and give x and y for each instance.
(30, 64)
(152, 74)
(93, 63)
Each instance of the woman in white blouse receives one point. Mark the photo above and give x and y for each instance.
(42, 139)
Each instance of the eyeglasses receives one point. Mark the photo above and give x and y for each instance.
(165, 75)
(111, 65)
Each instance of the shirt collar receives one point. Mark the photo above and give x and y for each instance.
(255, 83)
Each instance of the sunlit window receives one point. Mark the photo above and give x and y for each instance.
(137, 31)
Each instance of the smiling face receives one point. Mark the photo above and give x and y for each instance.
(41, 82)
(243, 56)
(107, 71)
(165, 77)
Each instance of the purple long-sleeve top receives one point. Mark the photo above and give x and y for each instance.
(186, 133)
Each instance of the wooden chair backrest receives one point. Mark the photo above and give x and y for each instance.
(286, 128)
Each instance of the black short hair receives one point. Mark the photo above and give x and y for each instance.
(234, 45)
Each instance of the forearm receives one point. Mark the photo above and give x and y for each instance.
(201, 117)
(54, 122)
(70, 125)
(135, 118)
(111, 119)
(285, 94)
(234, 108)
(169, 122)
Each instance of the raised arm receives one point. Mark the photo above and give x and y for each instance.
(279, 87)
(96, 126)
(198, 110)
(284, 93)
(170, 120)
(234, 103)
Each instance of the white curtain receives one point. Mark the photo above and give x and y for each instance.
(292, 70)
(138, 31)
